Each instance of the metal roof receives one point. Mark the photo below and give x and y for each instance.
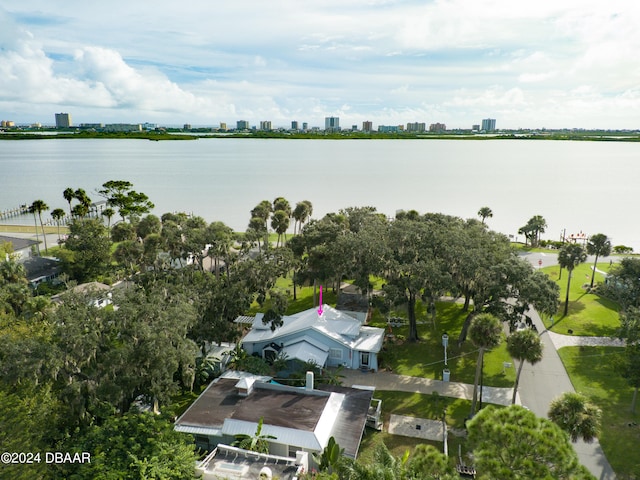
(332, 323)
(306, 352)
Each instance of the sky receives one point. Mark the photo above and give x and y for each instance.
(542, 64)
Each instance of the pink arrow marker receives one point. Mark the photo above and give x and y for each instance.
(320, 307)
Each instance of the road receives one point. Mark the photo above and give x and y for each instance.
(544, 259)
(541, 383)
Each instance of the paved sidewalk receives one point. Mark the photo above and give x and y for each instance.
(560, 341)
(404, 383)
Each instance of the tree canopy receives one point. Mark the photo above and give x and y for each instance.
(512, 443)
(577, 416)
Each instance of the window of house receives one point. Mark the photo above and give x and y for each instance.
(335, 353)
(292, 451)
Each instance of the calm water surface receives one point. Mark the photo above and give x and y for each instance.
(577, 186)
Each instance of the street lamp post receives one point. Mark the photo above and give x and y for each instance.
(445, 343)
(445, 371)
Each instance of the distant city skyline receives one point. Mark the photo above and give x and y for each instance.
(570, 64)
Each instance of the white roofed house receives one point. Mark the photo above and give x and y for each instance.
(296, 420)
(330, 340)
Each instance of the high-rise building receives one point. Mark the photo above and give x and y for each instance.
(332, 124)
(437, 127)
(488, 124)
(305, 126)
(265, 125)
(242, 125)
(390, 128)
(223, 126)
(63, 120)
(416, 127)
(294, 125)
(367, 126)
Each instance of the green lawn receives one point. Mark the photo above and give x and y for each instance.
(304, 298)
(32, 229)
(593, 374)
(589, 314)
(521, 247)
(417, 405)
(426, 357)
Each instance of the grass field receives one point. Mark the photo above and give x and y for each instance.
(32, 229)
(417, 405)
(589, 314)
(593, 374)
(304, 298)
(426, 357)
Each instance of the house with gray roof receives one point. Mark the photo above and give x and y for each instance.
(21, 246)
(330, 339)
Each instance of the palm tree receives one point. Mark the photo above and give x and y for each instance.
(484, 332)
(570, 256)
(84, 200)
(58, 214)
(80, 210)
(524, 345)
(532, 230)
(254, 443)
(219, 237)
(255, 231)
(69, 194)
(109, 213)
(12, 272)
(598, 245)
(280, 223)
(576, 415)
(539, 225)
(282, 203)
(262, 211)
(301, 213)
(309, 211)
(485, 212)
(37, 207)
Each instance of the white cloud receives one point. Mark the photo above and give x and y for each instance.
(492, 98)
(536, 77)
(147, 90)
(444, 60)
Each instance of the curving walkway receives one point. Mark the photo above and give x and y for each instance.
(560, 341)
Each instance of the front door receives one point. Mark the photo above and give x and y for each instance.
(364, 359)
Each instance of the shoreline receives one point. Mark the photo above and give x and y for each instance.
(586, 136)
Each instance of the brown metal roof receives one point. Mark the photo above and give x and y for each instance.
(279, 408)
(283, 409)
(217, 402)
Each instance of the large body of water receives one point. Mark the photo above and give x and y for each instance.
(591, 187)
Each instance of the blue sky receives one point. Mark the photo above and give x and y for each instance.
(550, 64)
